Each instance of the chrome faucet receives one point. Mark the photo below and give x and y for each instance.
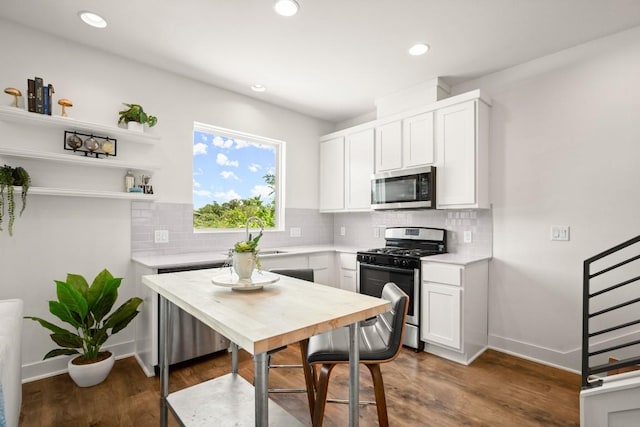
(249, 220)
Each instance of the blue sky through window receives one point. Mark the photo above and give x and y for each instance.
(230, 168)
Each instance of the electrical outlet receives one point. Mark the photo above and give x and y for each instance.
(295, 232)
(560, 233)
(376, 231)
(161, 236)
(468, 236)
(343, 231)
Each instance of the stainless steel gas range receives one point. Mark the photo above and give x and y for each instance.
(399, 262)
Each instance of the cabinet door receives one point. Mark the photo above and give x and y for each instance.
(348, 280)
(358, 169)
(456, 136)
(417, 140)
(389, 146)
(441, 314)
(332, 174)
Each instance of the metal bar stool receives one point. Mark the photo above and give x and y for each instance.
(380, 342)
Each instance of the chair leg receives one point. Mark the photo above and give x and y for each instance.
(321, 394)
(309, 376)
(378, 387)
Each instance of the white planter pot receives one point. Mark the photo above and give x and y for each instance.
(243, 264)
(91, 374)
(135, 126)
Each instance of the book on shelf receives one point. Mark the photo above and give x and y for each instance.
(39, 99)
(45, 100)
(31, 95)
(51, 92)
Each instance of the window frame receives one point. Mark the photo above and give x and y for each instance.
(280, 149)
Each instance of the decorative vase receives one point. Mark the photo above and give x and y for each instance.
(135, 126)
(91, 374)
(243, 264)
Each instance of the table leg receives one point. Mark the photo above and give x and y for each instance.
(261, 384)
(354, 374)
(234, 358)
(164, 359)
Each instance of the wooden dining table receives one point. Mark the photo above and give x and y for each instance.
(283, 310)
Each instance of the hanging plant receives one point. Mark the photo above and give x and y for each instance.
(10, 177)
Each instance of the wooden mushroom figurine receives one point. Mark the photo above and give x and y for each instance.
(15, 93)
(64, 103)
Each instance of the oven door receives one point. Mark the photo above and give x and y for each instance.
(374, 277)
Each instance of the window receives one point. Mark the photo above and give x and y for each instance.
(236, 176)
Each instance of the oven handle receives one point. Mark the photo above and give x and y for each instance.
(386, 268)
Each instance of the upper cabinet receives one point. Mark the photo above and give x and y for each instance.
(346, 165)
(451, 134)
(405, 143)
(463, 157)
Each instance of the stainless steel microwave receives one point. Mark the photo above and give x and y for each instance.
(404, 189)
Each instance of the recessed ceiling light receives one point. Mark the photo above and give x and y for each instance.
(286, 7)
(418, 49)
(258, 88)
(92, 19)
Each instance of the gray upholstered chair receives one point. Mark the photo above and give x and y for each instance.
(380, 342)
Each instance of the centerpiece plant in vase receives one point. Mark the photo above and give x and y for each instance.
(245, 257)
(86, 308)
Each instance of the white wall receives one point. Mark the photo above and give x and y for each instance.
(57, 235)
(565, 149)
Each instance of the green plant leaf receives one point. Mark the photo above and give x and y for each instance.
(48, 325)
(123, 315)
(62, 312)
(107, 299)
(72, 299)
(67, 340)
(60, 352)
(79, 283)
(97, 287)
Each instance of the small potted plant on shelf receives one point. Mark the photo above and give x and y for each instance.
(10, 178)
(135, 117)
(86, 308)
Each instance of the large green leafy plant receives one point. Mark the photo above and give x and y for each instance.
(86, 308)
(135, 113)
(10, 177)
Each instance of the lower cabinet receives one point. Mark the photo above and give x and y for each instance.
(347, 270)
(454, 309)
(321, 263)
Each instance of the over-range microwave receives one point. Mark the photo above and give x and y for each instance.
(413, 188)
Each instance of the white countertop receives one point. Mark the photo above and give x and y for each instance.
(200, 258)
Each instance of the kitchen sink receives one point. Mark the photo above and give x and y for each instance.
(272, 252)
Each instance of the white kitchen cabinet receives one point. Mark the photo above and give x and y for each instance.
(418, 140)
(462, 144)
(322, 266)
(49, 168)
(347, 271)
(332, 174)
(405, 143)
(453, 305)
(388, 146)
(358, 166)
(346, 165)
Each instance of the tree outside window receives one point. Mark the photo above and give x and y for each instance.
(235, 176)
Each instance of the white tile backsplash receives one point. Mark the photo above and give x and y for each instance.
(361, 229)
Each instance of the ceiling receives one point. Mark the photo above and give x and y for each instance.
(335, 57)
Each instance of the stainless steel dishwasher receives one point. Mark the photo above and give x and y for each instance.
(188, 337)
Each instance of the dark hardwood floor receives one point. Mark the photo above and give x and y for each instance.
(422, 390)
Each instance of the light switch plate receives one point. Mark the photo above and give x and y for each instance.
(295, 232)
(343, 231)
(161, 236)
(560, 233)
(468, 236)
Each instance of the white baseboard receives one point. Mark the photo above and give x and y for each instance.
(58, 365)
(567, 361)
